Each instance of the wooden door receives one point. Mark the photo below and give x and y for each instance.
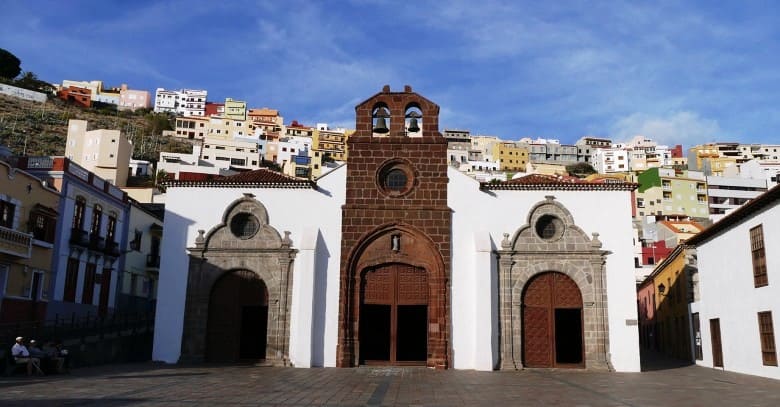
(105, 291)
(717, 347)
(237, 320)
(552, 322)
(394, 315)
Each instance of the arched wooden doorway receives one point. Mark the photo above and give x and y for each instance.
(552, 322)
(238, 318)
(394, 315)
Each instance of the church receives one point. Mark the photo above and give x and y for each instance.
(396, 259)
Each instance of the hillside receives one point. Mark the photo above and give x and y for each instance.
(41, 129)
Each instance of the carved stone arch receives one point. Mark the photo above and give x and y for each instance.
(243, 241)
(563, 247)
(403, 244)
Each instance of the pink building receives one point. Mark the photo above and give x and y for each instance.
(130, 99)
(646, 309)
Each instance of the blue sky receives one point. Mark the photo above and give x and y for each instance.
(679, 72)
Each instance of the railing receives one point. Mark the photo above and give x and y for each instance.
(15, 243)
(97, 242)
(79, 237)
(112, 249)
(152, 261)
(76, 327)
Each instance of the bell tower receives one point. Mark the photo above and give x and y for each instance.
(395, 248)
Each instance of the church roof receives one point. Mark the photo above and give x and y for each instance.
(258, 178)
(556, 182)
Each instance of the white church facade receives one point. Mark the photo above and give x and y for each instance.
(397, 259)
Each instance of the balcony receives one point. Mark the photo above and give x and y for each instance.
(97, 242)
(153, 261)
(112, 249)
(15, 243)
(79, 237)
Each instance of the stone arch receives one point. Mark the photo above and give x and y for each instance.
(396, 243)
(242, 241)
(568, 251)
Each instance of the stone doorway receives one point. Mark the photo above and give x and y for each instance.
(394, 315)
(238, 318)
(552, 322)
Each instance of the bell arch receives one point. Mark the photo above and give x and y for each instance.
(406, 257)
(243, 242)
(550, 241)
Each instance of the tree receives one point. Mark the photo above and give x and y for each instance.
(580, 170)
(30, 81)
(10, 65)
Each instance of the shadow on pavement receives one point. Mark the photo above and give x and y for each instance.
(653, 360)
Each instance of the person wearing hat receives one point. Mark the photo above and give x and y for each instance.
(22, 355)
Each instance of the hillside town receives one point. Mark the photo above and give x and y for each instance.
(641, 244)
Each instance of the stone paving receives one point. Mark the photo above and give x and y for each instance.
(156, 384)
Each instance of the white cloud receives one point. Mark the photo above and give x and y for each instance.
(685, 128)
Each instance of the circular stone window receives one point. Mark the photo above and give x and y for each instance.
(244, 225)
(395, 178)
(549, 227)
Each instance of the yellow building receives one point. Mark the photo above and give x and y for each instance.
(235, 109)
(671, 280)
(106, 153)
(714, 158)
(510, 156)
(28, 219)
(331, 142)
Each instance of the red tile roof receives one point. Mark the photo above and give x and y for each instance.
(261, 178)
(553, 182)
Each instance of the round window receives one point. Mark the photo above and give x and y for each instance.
(395, 180)
(549, 227)
(244, 225)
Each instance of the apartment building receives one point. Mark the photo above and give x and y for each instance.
(664, 191)
(714, 158)
(91, 234)
(230, 153)
(132, 99)
(728, 193)
(106, 153)
(510, 156)
(767, 170)
(332, 142)
(610, 160)
(587, 145)
(235, 110)
(76, 95)
(184, 102)
(29, 209)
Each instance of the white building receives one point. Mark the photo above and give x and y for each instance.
(728, 193)
(608, 160)
(739, 289)
(184, 102)
(766, 170)
(306, 256)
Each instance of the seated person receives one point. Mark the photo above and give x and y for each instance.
(53, 354)
(22, 355)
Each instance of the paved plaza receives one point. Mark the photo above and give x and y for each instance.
(156, 384)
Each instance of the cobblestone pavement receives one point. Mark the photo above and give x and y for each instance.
(156, 384)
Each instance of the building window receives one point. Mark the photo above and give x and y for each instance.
(7, 211)
(97, 217)
(135, 244)
(759, 256)
(78, 213)
(42, 226)
(767, 333)
(71, 279)
(89, 284)
(111, 233)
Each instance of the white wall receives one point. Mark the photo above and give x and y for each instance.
(478, 223)
(294, 210)
(728, 293)
(476, 213)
